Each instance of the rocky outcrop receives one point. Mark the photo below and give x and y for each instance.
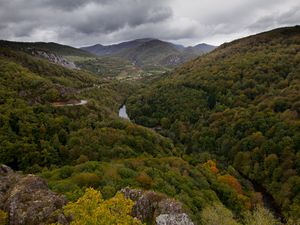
(173, 219)
(51, 57)
(28, 200)
(155, 208)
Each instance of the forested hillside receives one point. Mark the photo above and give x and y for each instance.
(218, 125)
(40, 132)
(239, 103)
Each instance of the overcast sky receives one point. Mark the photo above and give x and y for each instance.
(189, 22)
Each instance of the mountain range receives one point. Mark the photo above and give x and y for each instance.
(150, 52)
(127, 60)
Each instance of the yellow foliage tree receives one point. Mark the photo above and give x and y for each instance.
(91, 209)
(3, 218)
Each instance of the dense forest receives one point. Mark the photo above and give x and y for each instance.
(239, 103)
(204, 134)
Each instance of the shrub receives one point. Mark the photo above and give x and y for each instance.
(260, 216)
(86, 179)
(217, 214)
(127, 172)
(65, 172)
(144, 180)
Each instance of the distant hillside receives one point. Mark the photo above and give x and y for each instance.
(201, 48)
(62, 50)
(150, 53)
(73, 58)
(102, 50)
(112, 68)
(62, 55)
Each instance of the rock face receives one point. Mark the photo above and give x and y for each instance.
(57, 59)
(155, 208)
(28, 200)
(173, 219)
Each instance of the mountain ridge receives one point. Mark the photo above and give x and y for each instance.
(92, 48)
(59, 49)
(147, 52)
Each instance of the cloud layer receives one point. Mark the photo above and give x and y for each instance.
(86, 22)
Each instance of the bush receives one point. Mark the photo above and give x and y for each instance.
(144, 180)
(217, 214)
(87, 180)
(260, 216)
(65, 172)
(127, 173)
(108, 191)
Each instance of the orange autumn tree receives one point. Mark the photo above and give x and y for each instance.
(232, 182)
(212, 166)
(235, 184)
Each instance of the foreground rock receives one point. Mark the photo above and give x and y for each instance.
(156, 208)
(28, 200)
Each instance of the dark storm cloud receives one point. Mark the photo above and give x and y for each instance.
(291, 16)
(69, 20)
(112, 17)
(70, 4)
(84, 22)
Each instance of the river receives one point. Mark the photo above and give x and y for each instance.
(268, 200)
(123, 113)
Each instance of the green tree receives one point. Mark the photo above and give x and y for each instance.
(260, 216)
(217, 214)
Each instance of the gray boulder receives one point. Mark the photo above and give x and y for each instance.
(28, 200)
(156, 208)
(173, 219)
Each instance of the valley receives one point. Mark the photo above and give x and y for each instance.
(206, 135)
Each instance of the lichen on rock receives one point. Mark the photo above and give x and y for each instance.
(156, 208)
(173, 219)
(28, 200)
